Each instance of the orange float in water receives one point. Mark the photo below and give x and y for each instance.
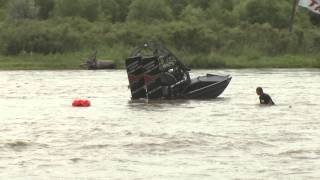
(81, 103)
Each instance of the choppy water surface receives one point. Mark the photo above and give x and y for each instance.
(43, 137)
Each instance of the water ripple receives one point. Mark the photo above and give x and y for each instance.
(43, 137)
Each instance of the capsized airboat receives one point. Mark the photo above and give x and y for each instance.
(156, 73)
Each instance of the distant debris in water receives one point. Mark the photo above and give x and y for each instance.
(91, 63)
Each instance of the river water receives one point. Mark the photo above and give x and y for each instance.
(232, 137)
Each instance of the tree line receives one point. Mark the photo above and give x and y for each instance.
(202, 28)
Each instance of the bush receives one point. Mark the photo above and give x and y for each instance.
(207, 61)
(33, 37)
(192, 15)
(201, 29)
(197, 38)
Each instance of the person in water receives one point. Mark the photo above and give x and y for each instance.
(263, 97)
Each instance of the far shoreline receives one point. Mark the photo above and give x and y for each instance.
(72, 61)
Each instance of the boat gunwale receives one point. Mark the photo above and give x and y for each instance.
(228, 78)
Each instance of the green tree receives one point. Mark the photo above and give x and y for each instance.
(68, 8)
(149, 10)
(314, 18)
(178, 6)
(204, 4)
(192, 14)
(90, 9)
(45, 8)
(115, 10)
(3, 3)
(123, 9)
(110, 9)
(3, 11)
(223, 12)
(273, 12)
(227, 5)
(22, 9)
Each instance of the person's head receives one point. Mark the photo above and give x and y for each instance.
(259, 91)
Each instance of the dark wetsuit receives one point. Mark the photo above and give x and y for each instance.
(266, 99)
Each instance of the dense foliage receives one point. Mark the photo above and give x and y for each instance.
(201, 29)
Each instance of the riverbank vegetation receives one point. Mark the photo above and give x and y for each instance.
(60, 34)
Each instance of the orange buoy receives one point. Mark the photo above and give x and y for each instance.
(85, 103)
(81, 103)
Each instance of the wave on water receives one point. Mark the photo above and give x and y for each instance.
(294, 152)
(245, 145)
(183, 135)
(95, 146)
(165, 142)
(301, 154)
(21, 145)
(163, 146)
(18, 144)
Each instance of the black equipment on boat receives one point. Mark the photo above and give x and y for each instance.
(154, 73)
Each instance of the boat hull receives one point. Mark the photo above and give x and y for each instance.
(209, 89)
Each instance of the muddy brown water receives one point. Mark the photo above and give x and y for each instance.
(232, 137)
